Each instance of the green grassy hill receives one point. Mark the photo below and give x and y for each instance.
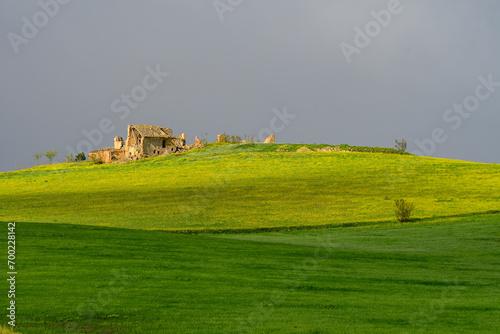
(90, 258)
(249, 186)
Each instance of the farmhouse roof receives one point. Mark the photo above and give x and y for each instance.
(153, 131)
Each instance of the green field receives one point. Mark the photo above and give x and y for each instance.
(291, 243)
(437, 277)
(244, 187)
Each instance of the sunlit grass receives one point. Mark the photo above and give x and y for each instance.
(437, 273)
(246, 187)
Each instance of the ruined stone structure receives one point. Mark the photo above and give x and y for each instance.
(270, 140)
(143, 141)
(118, 143)
(197, 143)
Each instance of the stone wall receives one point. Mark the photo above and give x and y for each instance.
(106, 155)
(158, 146)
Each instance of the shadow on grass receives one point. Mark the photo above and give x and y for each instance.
(391, 222)
(323, 226)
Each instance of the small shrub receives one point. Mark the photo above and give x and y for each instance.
(70, 158)
(403, 209)
(226, 138)
(80, 157)
(204, 139)
(250, 139)
(96, 159)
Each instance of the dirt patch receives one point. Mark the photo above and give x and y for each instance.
(304, 149)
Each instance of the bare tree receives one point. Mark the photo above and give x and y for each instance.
(37, 157)
(401, 145)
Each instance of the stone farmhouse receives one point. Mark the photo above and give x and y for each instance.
(143, 141)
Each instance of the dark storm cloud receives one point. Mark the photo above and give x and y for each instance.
(229, 75)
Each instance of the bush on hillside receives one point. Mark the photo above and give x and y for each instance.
(403, 209)
(226, 138)
(80, 157)
(234, 139)
(251, 139)
(70, 158)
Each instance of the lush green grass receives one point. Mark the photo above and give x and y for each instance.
(249, 187)
(89, 262)
(435, 276)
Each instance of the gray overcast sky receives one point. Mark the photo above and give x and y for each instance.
(230, 67)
